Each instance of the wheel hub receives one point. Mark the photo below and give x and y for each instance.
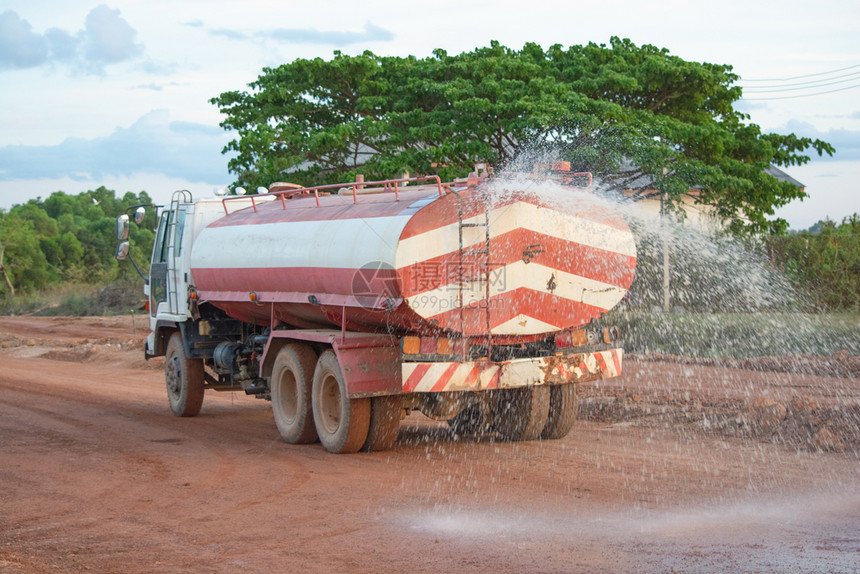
(174, 376)
(330, 401)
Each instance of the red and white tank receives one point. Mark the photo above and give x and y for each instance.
(520, 257)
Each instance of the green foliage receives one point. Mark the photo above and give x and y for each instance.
(824, 262)
(23, 261)
(636, 116)
(69, 239)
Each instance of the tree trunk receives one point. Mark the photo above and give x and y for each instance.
(5, 274)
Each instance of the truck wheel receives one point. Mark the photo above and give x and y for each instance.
(185, 379)
(562, 411)
(475, 419)
(384, 423)
(521, 414)
(342, 423)
(292, 381)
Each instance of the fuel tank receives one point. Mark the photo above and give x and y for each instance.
(513, 258)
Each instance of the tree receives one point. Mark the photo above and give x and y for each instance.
(68, 238)
(5, 271)
(636, 116)
(824, 261)
(24, 264)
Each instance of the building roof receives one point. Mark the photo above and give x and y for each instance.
(644, 183)
(782, 176)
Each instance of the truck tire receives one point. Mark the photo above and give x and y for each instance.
(521, 414)
(384, 423)
(342, 423)
(185, 379)
(563, 405)
(475, 419)
(291, 386)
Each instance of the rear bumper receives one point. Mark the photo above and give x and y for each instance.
(484, 375)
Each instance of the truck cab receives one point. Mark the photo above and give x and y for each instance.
(170, 290)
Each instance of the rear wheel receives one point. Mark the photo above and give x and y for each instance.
(474, 419)
(185, 379)
(291, 386)
(521, 414)
(562, 411)
(384, 423)
(342, 423)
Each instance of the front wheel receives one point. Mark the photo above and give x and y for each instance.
(185, 379)
(342, 423)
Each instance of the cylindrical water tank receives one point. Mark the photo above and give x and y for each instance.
(420, 261)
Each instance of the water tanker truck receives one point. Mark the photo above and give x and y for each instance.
(348, 306)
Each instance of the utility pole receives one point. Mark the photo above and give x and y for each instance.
(667, 303)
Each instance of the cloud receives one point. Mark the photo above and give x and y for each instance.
(747, 106)
(846, 142)
(20, 47)
(229, 34)
(371, 33)
(106, 39)
(152, 86)
(153, 144)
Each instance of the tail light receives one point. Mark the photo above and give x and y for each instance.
(427, 346)
(567, 339)
(411, 345)
(444, 346)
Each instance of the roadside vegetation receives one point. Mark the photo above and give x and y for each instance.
(57, 254)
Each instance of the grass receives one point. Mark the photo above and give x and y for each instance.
(738, 335)
(75, 300)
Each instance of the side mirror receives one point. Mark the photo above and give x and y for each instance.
(122, 227)
(121, 251)
(139, 214)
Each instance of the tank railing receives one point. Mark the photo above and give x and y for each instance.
(584, 174)
(388, 185)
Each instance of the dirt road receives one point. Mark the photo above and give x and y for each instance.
(677, 467)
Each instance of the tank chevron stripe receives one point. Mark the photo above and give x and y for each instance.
(547, 269)
(538, 309)
(534, 277)
(523, 215)
(572, 258)
(583, 206)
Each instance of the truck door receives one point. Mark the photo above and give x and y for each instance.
(158, 266)
(166, 279)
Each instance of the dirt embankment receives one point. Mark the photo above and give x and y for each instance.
(677, 465)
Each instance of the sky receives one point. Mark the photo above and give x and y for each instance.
(117, 94)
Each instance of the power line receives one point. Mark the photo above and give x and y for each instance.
(806, 85)
(800, 77)
(811, 86)
(802, 95)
